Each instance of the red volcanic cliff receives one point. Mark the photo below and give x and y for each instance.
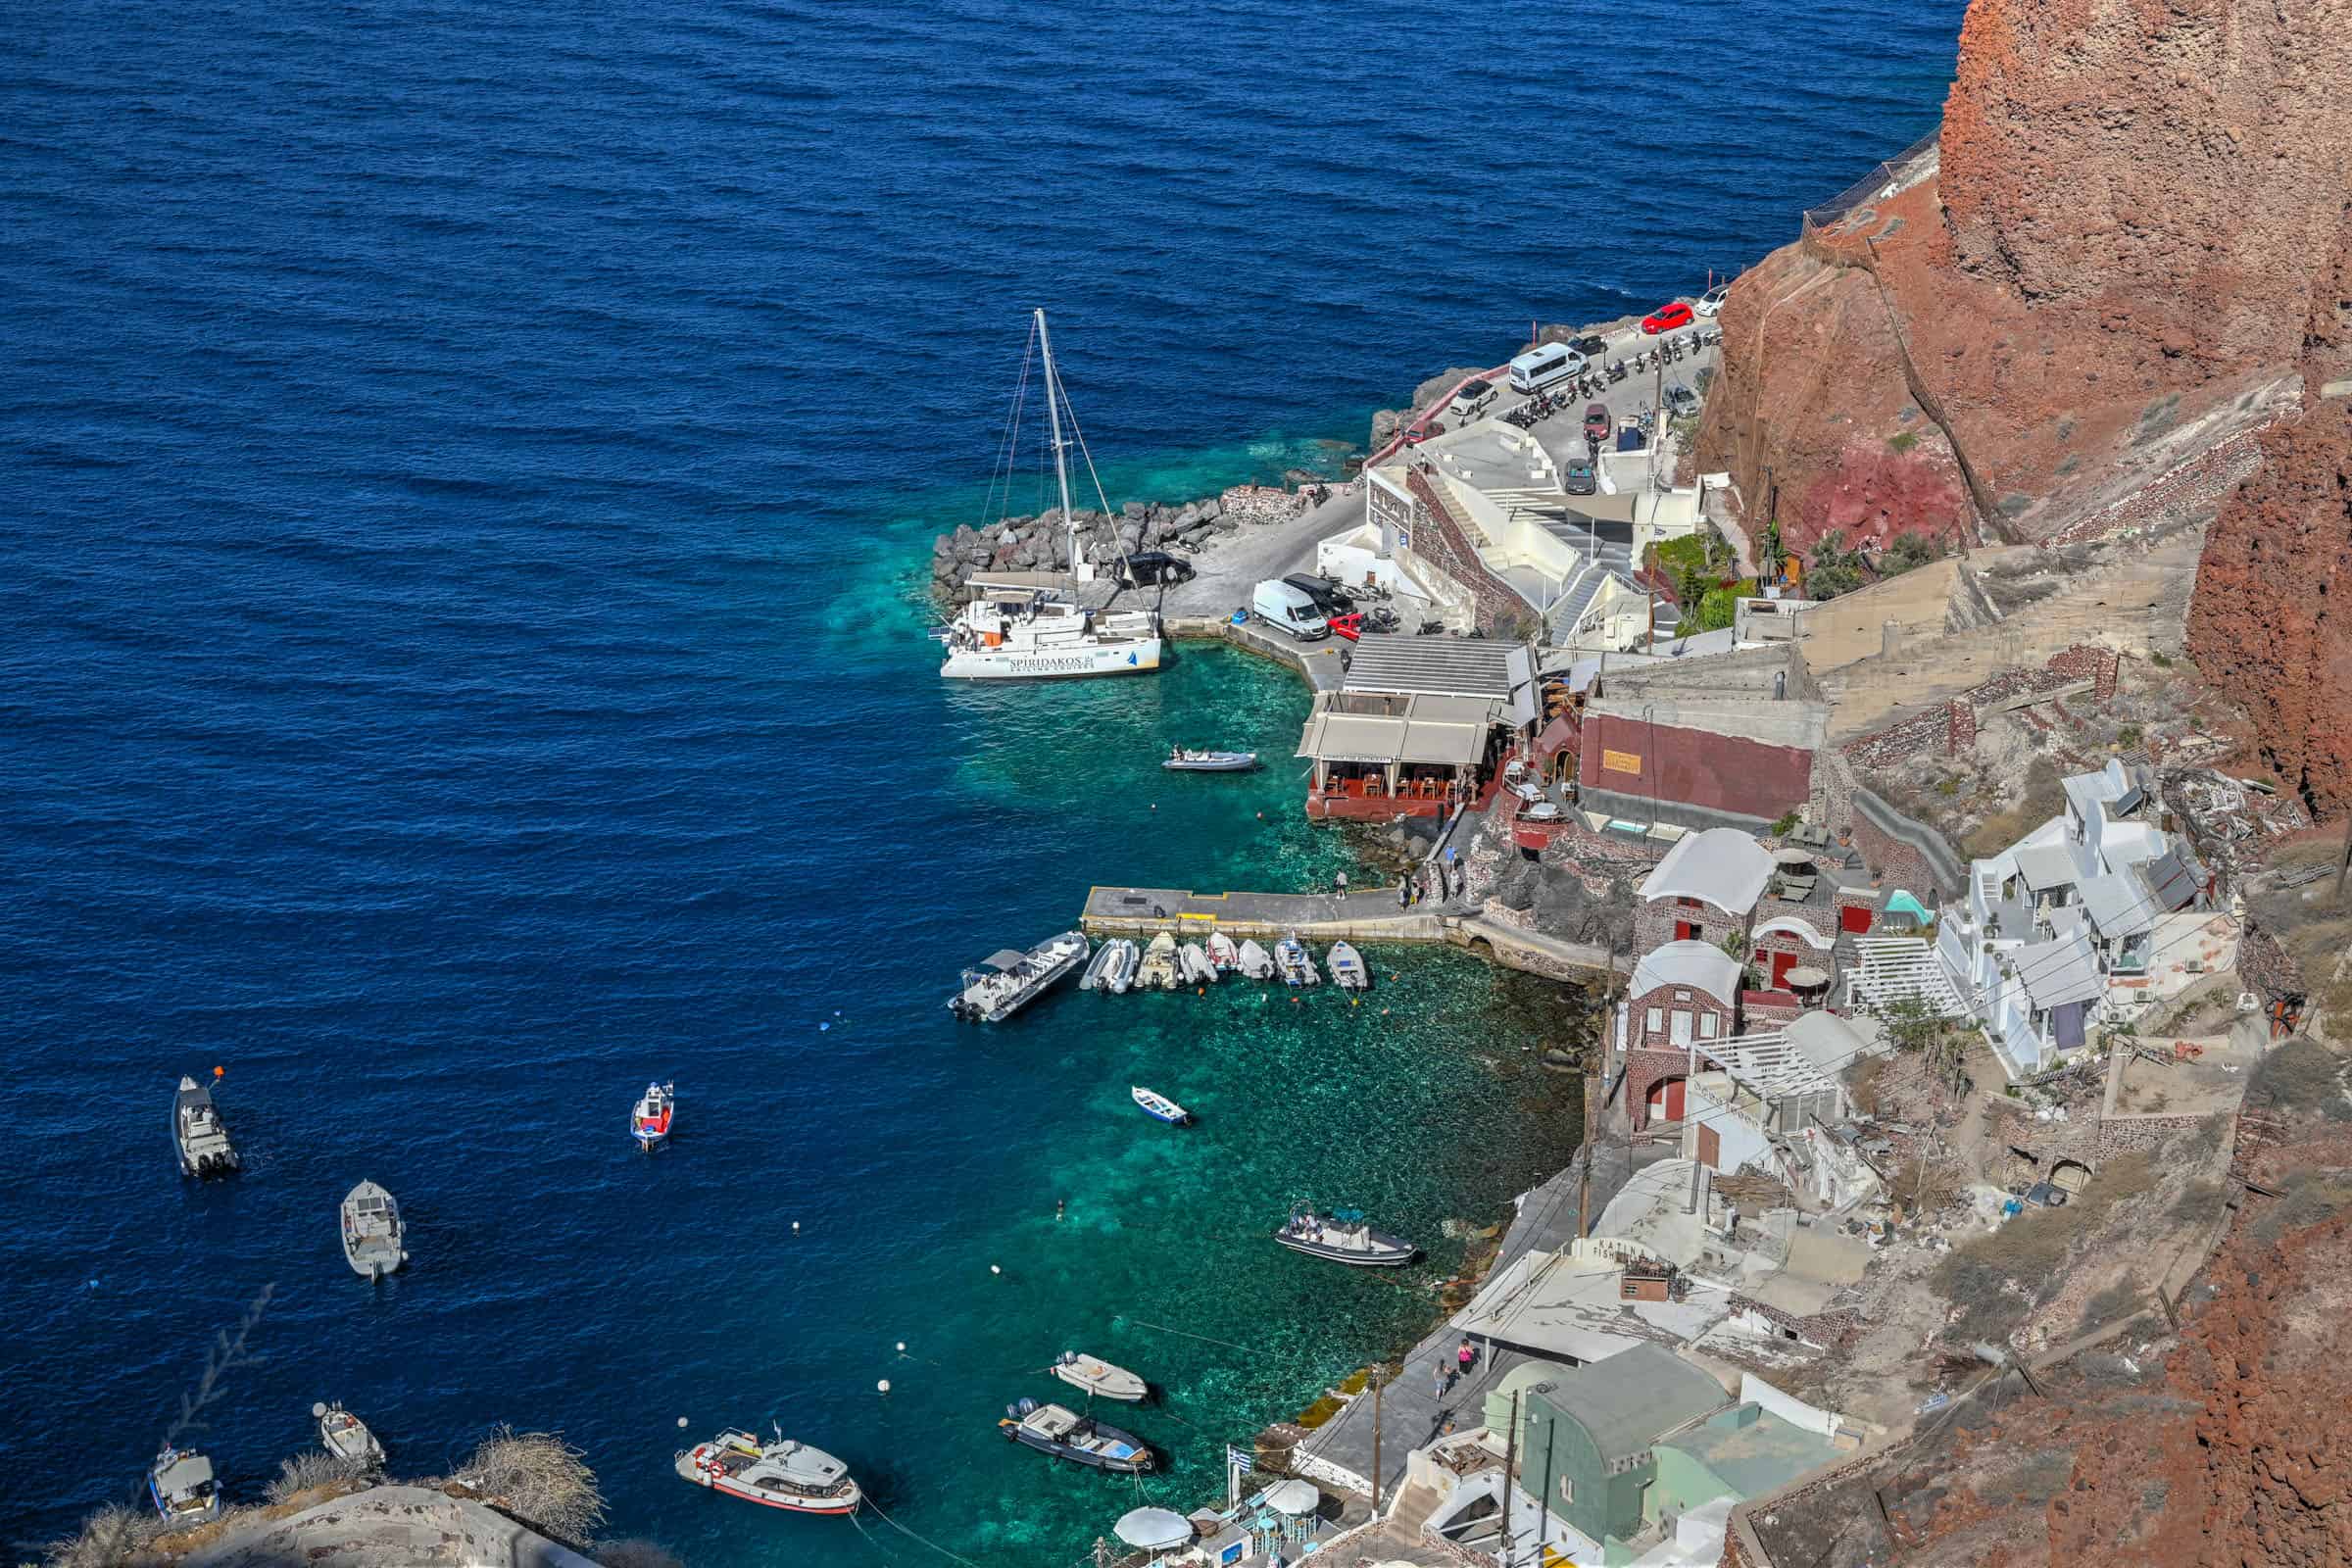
(2079, 315)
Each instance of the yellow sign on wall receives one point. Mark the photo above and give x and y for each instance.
(1621, 761)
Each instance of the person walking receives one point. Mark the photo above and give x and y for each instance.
(1404, 892)
(1465, 1355)
(1340, 879)
(1438, 1376)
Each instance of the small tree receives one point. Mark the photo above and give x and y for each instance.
(1910, 549)
(1831, 568)
(1913, 1024)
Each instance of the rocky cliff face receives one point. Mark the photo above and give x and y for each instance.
(2077, 321)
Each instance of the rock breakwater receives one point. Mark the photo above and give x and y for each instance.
(1040, 543)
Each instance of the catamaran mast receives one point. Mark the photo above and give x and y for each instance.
(1061, 470)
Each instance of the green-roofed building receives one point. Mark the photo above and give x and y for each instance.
(1586, 1434)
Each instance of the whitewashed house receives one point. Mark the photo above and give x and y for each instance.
(2075, 922)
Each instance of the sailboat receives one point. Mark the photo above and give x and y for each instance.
(1019, 632)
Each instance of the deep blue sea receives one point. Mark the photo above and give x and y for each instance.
(465, 479)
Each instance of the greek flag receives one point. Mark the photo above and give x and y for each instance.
(1242, 1460)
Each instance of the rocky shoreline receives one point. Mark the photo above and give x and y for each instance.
(1039, 544)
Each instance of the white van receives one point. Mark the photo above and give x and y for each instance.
(1544, 367)
(1278, 604)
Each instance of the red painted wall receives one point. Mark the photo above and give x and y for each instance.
(1696, 768)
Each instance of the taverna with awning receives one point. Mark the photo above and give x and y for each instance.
(1417, 724)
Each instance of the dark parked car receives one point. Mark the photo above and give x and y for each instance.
(1681, 402)
(1149, 566)
(1329, 597)
(1597, 424)
(1591, 347)
(1577, 477)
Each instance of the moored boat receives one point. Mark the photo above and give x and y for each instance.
(1080, 1439)
(1120, 976)
(1099, 1378)
(1159, 1106)
(199, 1133)
(346, 1435)
(1158, 971)
(1098, 967)
(1348, 970)
(1009, 981)
(1296, 965)
(1193, 962)
(373, 1232)
(181, 1483)
(1223, 954)
(1033, 633)
(1344, 1236)
(1183, 760)
(650, 1122)
(783, 1474)
(1254, 962)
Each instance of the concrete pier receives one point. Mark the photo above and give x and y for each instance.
(1368, 915)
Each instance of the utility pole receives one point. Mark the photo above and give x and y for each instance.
(1376, 1439)
(1690, 1076)
(1510, 1455)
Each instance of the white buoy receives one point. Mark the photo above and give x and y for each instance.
(992, 1269)
(882, 1387)
(902, 1347)
(682, 1420)
(795, 1227)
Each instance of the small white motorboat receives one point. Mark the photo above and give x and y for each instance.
(650, 1122)
(1119, 978)
(1184, 759)
(786, 1475)
(1159, 1106)
(1255, 964)
(1006, 982)
(1298, 966)
(1082, 1440)
(1348, 970)
(1159, 970)
(1195, 964)
(1099, 1378)
(181, 1482)
(346, 1437)
(373, 1232)
(1344, 1236)
(1099, 967)
(1223, 954)
(199, 1133)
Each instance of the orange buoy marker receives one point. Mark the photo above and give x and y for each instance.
(219, 1072)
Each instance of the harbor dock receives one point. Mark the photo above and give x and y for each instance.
(1369, 915)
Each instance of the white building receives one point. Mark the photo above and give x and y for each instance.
(2083, 919)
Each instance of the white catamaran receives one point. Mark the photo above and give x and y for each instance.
(1016, 631)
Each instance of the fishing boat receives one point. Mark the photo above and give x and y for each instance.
(1344, 1236)
(1006, 982)
(1182, 760)
(1296, 964)
(1193, 960)
(180, 1481)
(1158, 971)
(373, 1232)
(199, 1133)
(783, 1474)
(1120, 976)
(1348, 970)
(1223, 954)
(1033, 633)
(1255, 964)
(1099, 1378)
(1158, 1105)
(1080, 1439)
(650, 1122)
(346, 1435)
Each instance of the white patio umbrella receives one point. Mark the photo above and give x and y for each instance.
(1153, 1529)
(1293, 1498)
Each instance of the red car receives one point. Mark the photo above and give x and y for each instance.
(1349, 626)
(1667, 318)
(1598, 422)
